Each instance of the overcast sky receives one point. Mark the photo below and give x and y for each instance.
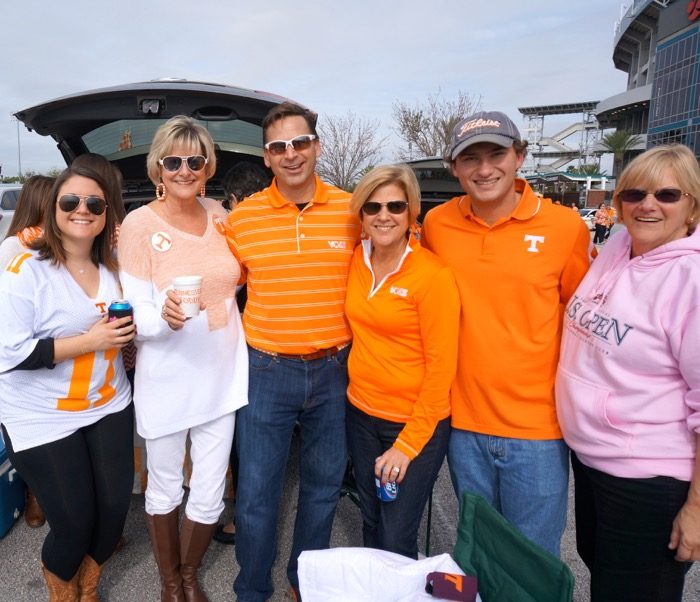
(332, 56)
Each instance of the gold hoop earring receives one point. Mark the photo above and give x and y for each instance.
(202, 191)
(160, 192)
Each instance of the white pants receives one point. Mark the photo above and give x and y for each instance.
(210, 451)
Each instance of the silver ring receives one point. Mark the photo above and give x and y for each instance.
(396, 469)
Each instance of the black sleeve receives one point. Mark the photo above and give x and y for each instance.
(41, 357)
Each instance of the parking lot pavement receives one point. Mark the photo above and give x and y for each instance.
(131, 575)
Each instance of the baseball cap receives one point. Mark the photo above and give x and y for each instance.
(484, 126)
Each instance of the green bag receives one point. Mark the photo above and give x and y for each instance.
(508, 566)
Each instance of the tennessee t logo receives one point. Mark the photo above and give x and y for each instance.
(101, 307)
(533, 240)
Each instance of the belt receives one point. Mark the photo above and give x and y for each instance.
(305, 357)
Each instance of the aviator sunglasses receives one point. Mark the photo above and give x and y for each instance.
(300, 143)
(663, 195)
(174, 163)
(394, 207)
(69, 203)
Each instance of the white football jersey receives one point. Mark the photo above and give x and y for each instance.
(39, 300)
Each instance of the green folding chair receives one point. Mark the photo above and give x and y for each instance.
(509, 567)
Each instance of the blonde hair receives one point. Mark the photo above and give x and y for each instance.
(400, 175)
(180, 130)
(645, 171)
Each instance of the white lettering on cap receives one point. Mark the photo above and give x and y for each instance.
(478, 123)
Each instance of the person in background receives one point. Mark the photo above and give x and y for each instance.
(26, 226)
(65, 404)
(191, 374)
(612, 215)
(242, 180)
(628, 386)
(574, 206)
(600, 223)
(403, 308)
(28, 219)
(517, 261)
(295, 240)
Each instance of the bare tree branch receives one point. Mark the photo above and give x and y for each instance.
(349, 146)
(425, 128)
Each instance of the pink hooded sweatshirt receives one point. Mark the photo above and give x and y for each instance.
(628, 382)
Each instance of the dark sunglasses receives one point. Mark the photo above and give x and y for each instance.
(69, 203)
(394, 207)
(300, 143)
(664, 195)
(174, 163)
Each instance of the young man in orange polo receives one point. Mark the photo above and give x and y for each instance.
(294, 240)
(517, 260)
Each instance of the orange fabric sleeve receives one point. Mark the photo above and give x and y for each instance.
(438, 316)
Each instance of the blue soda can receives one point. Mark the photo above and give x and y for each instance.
(388, 492)
(119, 309)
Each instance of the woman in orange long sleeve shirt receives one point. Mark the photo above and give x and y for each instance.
(403, 308)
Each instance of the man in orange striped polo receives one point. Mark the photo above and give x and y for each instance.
(518, 259)
(294, 240)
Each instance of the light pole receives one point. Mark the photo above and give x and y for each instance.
(19, 153)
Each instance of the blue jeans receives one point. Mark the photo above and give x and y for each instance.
(525, 480)
(622, 531)
(281, 393)
(392, 526)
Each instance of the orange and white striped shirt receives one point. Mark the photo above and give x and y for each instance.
(296, 265)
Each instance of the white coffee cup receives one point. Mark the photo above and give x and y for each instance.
(189, 289)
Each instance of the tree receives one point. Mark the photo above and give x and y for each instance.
(619, 143)
(350, 148)
(586, 169)
(425, 127)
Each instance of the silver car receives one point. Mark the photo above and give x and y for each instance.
(9, 193)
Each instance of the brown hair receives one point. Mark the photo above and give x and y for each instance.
(110, 173)
(289, 109)
(31, 205)
(400, 175)
(50, 246)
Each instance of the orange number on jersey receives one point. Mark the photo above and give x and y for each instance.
(77, 399)
(16, 262)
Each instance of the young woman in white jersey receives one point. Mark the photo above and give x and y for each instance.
(64, 397)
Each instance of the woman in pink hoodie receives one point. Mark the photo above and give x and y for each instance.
(628, 386)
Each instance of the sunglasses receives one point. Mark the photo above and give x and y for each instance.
(300, 143)
(394, 207)
(664, 195)
(174, 163)
(70, 202)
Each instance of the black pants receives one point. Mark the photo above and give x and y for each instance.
(392, 526)
(83, 483)
(622, 532)
(600, 232)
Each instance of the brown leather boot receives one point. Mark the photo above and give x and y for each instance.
(33, 514)
(88, 580)
(60, 590)
(166, 549)
(194, 541)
